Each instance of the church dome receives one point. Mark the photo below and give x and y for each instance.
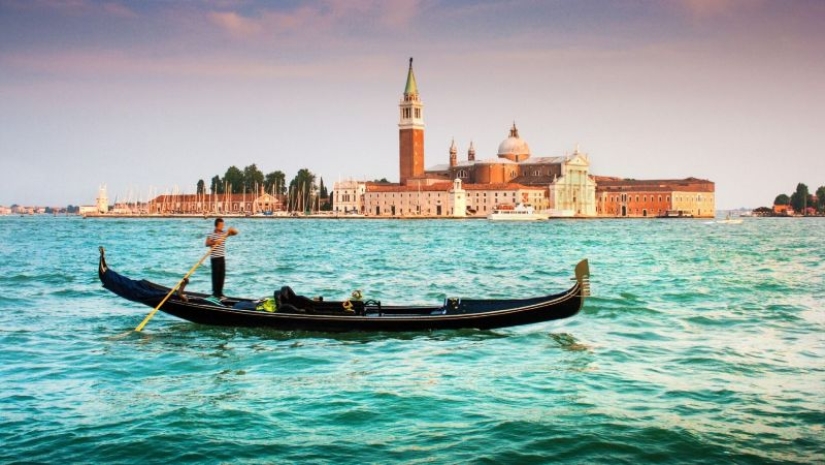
(514, 148)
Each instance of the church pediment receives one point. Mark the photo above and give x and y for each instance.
(578, 160)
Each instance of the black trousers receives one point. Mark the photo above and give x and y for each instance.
(218, 275)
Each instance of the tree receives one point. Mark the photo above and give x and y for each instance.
(252, 177)
(782, 199)
(324, 201)
(820, 199)
(234, 180)
(217, 185)
(201, 187)
(275, 182)
(799, 199)
(300, 190)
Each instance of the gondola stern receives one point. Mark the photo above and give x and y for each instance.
(583, 277)
(130, 289)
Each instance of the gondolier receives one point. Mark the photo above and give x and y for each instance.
(217, 240)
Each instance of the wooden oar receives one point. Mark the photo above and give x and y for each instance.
(200, 262)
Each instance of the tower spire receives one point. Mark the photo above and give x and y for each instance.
(411, 89)
(453, 154)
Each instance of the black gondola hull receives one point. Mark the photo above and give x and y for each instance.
(330, 316)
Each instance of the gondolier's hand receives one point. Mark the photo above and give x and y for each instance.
(231, 232)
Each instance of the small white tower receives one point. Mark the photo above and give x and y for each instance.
(102, 200)
(459, 198)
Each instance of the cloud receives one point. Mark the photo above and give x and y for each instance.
(118, 10)
(72, 7)
(235, 24)
(319, 18)
(712, 8)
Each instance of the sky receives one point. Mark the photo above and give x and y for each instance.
(149, 97)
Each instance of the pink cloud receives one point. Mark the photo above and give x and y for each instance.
(235, 24)
(711, 8)
(318, 18)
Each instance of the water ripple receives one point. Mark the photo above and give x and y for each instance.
(700, 345)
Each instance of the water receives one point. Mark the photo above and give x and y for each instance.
(702, 343)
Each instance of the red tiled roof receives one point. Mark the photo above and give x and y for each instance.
(446, 186)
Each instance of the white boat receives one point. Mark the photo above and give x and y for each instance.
(520, 212)
(728, 220)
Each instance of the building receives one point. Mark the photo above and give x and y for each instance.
(410, 131)
(782, 210)
(447, 199)
(348, 197)
(434, 200)
(216, 204)
(513, 176)
(573, 193)
(624, 198)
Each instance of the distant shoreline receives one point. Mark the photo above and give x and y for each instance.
(368, 217)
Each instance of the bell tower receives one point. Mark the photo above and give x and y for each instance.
(410, 132)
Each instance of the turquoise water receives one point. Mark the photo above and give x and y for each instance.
(702, 343)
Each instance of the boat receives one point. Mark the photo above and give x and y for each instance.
(286, 310)
(676, 214)
(729, 220)
(520, 212)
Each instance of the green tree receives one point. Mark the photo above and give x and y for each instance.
(275, 181)
(799, 199)
(234, 180)
(820, 199)
(782, 199)
(300, 191)
(217, 185)
(324, 201)
(252, 178)
(201, 187)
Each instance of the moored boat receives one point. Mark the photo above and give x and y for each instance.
(286, 310)
(676, 214)
(520, 212)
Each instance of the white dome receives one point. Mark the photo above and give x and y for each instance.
(513, 145)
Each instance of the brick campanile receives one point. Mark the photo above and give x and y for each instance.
(410, 132)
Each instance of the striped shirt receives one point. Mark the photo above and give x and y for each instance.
(220, 249)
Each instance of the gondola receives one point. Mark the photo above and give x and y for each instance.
(286, 310)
